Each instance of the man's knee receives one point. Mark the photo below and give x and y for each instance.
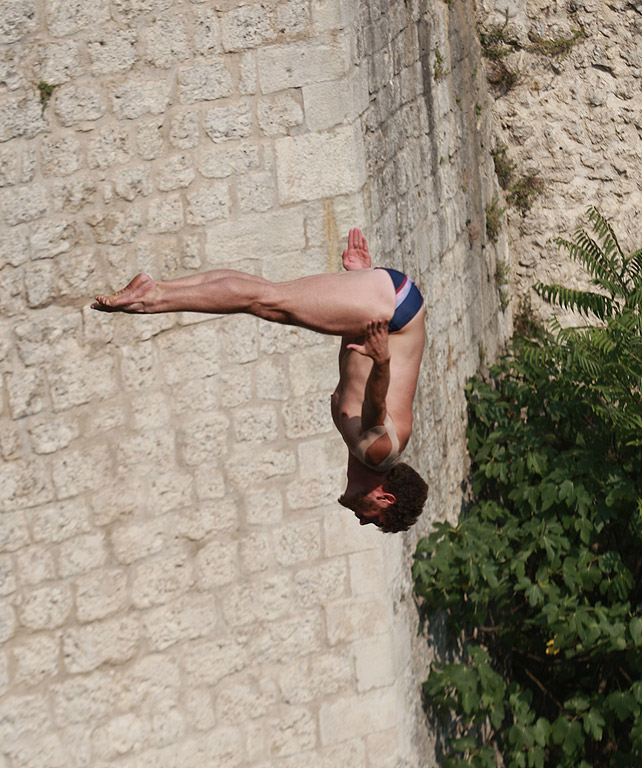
(267, 303)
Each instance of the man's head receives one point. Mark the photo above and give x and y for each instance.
(393, 506)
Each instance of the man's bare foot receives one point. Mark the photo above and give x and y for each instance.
(356, 255)
(137, 296)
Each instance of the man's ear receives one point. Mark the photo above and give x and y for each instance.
(386, 498)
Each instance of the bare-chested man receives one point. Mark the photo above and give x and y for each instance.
(379, 315)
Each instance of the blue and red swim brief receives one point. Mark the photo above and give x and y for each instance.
(408, 299)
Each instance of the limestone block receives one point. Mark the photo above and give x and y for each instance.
(208, 203)
(298, 64)
(36, 658)
(248, 27)
(46, 750)
(277, 114)
(277, 339)
(263, 507)
(357, 715)
(4, 677)
(314, 166)
(74, 193)
(236, 385)
(256, 552)
(60, 521)
(318, 584)
(21, 116)
(14, 531)
(331, 103)
(111, 50)
(155, 447)
(152, 681)
(7, 576)
(112, 641)
(76, 104)
(207, 32)
(367, 572)
(312, 678)
(184, 131)
(24, 483)
(343, 534)
(50, 337)
(166, 214)
(247, 80)
(210, 482)
(109, 147)
(132, 182)
(293, 732)
(26, 392)
(327, 15)
(217, 564)
(207, 662)
(256, 425)
(46, 607)
(18, 18)
(356, 618)
(199, 709)
(223, 161)
(60, 156)
(168, 490)
(64, 17)
(135, 540)
(298, 542)
(22, 717)
(119, 736)
(293, 17)
(57, 63)
(187, 618)
(383, 748)
(310, 370)
(284, 640)
(307, 416)
(84, 699)
(161, 579)
(100, 593)
(135, 98)
(164, 42)
(7, 621)
(245, 462)
(24, 203)
(130, 10)
(256, 191)
(81, 554)
(204, 81)
(271, 380)
(374, 662)
(14, 247)
(78, 382)
(199, 442)
(238, 702)
(78, 470)
(35, 564)
(15, 167)
(225, 123)
(262, 235)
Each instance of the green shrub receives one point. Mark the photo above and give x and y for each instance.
(540, 582)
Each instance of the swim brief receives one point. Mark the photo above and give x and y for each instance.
(408, 300)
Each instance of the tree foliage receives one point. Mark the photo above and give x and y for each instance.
(541, 579)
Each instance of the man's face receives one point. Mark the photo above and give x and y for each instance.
(365, 509)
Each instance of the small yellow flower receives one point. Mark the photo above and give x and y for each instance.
(550, 649)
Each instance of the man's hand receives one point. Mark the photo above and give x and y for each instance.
(375, 344)
(356, 255)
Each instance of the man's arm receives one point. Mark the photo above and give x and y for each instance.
(373, 411)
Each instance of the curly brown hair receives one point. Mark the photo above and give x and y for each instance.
(410, 491)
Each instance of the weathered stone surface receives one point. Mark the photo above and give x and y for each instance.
(319, 165)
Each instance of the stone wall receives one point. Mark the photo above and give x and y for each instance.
(177, 583)
(573, 119)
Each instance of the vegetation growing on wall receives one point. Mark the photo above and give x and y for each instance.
(541, 580)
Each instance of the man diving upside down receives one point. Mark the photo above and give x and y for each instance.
(379, 315)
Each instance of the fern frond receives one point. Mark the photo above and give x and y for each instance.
(605, 231)
(585, 302)
(588, 253)
(633, 266)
